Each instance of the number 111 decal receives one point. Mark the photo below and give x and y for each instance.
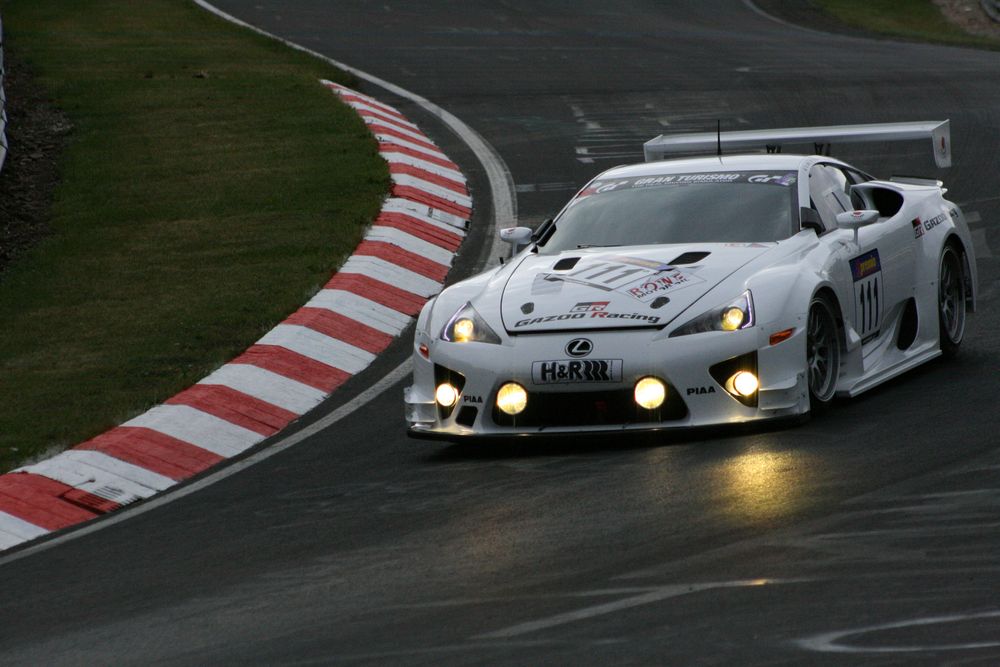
(869, 294)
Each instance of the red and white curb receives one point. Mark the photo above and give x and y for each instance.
(401, 262)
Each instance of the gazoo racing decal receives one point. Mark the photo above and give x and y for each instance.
(599, 314)
(562, 371)
(640, 278)
(869, 294)
(921, 226)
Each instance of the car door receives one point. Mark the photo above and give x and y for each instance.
(880, 264)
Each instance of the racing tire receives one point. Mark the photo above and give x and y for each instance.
(951, 300)
(822, 353)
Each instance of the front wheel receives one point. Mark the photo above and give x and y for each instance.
(822, 353)
(951, 300)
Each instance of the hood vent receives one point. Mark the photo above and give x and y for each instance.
(689, 258)
(566, 264)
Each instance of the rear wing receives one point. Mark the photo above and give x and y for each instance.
(938, 131)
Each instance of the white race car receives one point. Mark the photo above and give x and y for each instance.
(714, 290)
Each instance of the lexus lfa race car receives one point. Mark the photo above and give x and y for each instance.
(702, 291)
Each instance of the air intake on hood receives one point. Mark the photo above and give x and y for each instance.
(566, 264)
(689, 258)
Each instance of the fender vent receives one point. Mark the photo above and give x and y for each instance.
(907, 325)
(689, 258)
(566, 264)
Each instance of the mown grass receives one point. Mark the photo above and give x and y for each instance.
(209, 187)
(917, 20)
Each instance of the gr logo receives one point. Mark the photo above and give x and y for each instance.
(579, 347)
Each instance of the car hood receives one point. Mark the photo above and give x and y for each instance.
(630, 287)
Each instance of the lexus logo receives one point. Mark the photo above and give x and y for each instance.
(579, 347)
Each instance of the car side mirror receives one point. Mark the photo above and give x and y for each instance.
(855, 220)
(517, 237)
(809, 219)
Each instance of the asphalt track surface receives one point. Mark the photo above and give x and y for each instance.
(866, 536)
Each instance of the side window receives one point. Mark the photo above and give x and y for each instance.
(828, 188)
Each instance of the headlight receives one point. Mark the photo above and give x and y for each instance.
(735, 315)
(467, 326)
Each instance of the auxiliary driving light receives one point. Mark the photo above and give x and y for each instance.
(650, 393)
(446, 395)
(512, 398)
(745, 383)
(732, 319)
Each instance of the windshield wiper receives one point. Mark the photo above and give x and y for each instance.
(598, 245)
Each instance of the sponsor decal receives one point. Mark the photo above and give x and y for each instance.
(589, 306)
(868, 294)
(549, 318)
(579, 347)
(777, 179)
(599, 314)
(694, 391)
(920, 227)
(652, 319)
(472, 399)
(640, 278)
(935, 221)
(608, 186)
(864, 265)
(641, 182)
(564, 371)
(664, 281)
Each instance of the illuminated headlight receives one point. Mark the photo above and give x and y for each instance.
(466, 326)
(446, 395)
(512, 398)
(744, 383)
(650, 393)
(733, 316)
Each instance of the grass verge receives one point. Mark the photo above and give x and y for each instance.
(209, 186)
(916, 20)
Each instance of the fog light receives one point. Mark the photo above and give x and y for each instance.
(732, 319)
(745, 383)
(650, 393)
(446, 395)
(512, 398)
(464, 328)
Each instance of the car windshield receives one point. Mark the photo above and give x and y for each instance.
(726, 207)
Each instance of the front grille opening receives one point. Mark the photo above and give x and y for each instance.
(467, 416)
(591, 408)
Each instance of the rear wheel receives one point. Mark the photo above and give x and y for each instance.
(951, 300)
(822, 353)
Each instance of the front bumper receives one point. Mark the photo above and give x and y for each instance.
(694, 398)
